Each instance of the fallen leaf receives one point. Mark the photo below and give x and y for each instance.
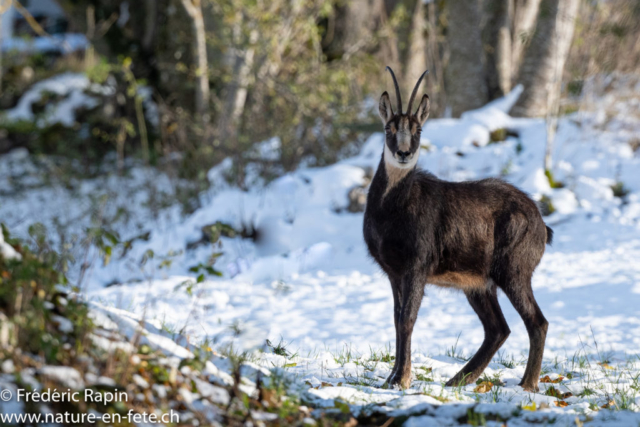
(289, 365)
(544, 405)
(546, 379)
(609, 404)
(561, 403)
(531, 407)
(552, 391)
(605, 365)
(324, 384)
(483, 387)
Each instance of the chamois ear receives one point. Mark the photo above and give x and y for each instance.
(384, 108)
(423, 110)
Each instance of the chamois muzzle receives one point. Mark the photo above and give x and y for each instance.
(403, 156)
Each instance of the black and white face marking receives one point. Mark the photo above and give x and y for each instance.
(402, 142)
(402, 130)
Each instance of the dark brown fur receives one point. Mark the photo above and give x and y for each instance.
(474, 236)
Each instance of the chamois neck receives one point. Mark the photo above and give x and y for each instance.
(395, 172)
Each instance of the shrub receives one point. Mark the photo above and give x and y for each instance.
(34, 301)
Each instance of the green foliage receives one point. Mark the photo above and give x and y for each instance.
(422, 374)
(117, 124)
(31, 291)
(295, 94)
(546, 206)
(498, 135)
(279, 349)
(574, 87)
(475, 418)
(552, 182)
(619, 190)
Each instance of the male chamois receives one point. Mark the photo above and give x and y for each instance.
(473, 236)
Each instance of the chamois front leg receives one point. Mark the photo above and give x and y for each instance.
(411, 293)
(397, 308)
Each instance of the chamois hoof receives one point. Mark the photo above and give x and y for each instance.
(397, 382)
(530, 386)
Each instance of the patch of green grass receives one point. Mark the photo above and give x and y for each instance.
(546, 205)
(586, 392)
(506, 361)
(344, 356)
(475, 418)
(495, 379)
(498, 135)
(280, 349)
(453, 351)
(619, 190)
(422, 374)
(507, 168)
(361, 380)
(552, 182)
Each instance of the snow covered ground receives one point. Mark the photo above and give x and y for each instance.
(308, 281)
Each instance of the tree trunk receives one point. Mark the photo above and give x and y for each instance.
(150, 24)
(435, 82)
(1, 69)
(4, 7)
(361, 25)
(464, 76)
(543, 64)
(194, 9)
(497, 40)
(524, 22)
(417, 58)
(236, 91)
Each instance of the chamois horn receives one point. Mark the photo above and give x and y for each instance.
(415, 90)
(395, 83)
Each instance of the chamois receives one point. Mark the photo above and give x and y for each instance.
(473, 236)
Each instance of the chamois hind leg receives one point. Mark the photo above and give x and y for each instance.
(412, 292)
(397, 308)
(521, 296)
(496, 331)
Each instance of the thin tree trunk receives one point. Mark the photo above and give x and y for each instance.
(194, 9)
(357, 25)
(4, 6)
(242, 60)
(435, 82)
(497, 39)
(417, 59)
(524, 22)
(243, 74)
(543, 64)
(150, 23)
(1, 70)
(464, 76)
